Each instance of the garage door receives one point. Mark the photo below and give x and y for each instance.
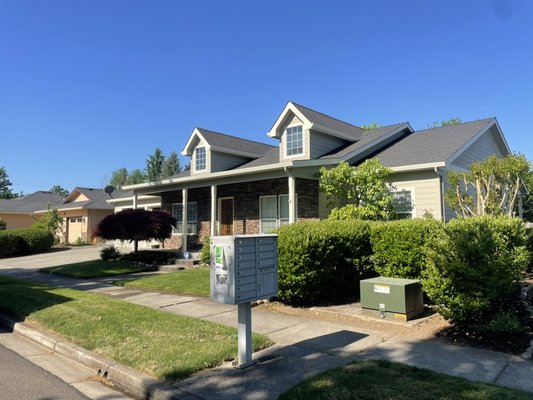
(75, 225)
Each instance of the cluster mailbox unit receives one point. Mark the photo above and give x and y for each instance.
(244, 268)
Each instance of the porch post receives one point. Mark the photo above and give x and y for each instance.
(213, 210)
(134, 200)
(184, 193)
(292, 197)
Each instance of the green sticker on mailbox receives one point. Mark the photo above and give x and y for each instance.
(219, 255)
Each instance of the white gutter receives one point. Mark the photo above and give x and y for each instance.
(418, 167)
(214, 175)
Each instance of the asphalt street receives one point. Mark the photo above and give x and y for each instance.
(22, 380)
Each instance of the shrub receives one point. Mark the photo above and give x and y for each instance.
(472, 265)
(11, 244)
(109, 253)
(529, 245)
(3, 225)
(150, 256)
(323, 261)
(505, 323)
(205, 253)
(17, 242)
(399, 247)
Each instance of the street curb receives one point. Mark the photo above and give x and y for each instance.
(129, 381)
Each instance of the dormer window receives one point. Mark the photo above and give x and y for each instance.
(201, 160)
(295, 140)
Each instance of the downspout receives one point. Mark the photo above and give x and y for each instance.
(442, 202)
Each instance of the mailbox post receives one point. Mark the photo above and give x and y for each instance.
(244, 268)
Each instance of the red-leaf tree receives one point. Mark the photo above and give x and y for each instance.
(135, 225)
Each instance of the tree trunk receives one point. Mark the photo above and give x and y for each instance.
(135, 246)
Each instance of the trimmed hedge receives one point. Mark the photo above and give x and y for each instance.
(474, 264)
(3, 225)
(399, 247)
(19, 242)
(323, 261)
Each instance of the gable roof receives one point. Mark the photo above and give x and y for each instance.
(316, 120)
(432, 145)
(224, 143)
(326, 121)
(30, 203)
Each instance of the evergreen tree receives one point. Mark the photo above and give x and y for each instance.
(136, 176)
(57, 189)
(171, 166)
(119, 177)
(154, 165)
(5, 185)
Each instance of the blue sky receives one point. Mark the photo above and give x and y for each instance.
(87, 87)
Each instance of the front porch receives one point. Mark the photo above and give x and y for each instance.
(250, 207)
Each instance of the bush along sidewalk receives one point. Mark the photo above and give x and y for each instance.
(21, 242)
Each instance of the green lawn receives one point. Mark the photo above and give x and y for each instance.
(164, 345)
(376, 379)
(94, 269)
(193, 281)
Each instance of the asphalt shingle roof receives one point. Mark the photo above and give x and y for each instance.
(31, 202)
(366, 137)
(326, 121)
(224, 141)
(431, 145)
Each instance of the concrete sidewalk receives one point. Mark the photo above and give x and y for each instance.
(304, 346)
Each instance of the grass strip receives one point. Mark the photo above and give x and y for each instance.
(94, 269)
(167, 346)
(378, 379)
(193, 281)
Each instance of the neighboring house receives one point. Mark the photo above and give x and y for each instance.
(81, 210)
(20, 212)
(238, 186)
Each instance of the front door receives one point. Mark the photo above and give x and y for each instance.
(226, 217)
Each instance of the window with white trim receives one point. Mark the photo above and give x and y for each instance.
(403, 204)
(273, 212)
(200, 163)
(294, 138)
(192, 217)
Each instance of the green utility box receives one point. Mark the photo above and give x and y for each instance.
(392, 298)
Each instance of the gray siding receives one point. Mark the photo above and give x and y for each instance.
(426, 191)
(223, 162)
(321, 144)
(482, 148)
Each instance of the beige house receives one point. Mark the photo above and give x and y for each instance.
(238, 186)
(20, 212)
(82, 210)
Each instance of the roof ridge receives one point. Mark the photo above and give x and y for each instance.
(234, 137)
(326, 115)
(462, 123)
(386, 126)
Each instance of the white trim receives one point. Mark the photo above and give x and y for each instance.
(472, 140)
(418, 167)
(219, 219)
(195, 133)
(285, 142)
(289, 107)
(194, 160)
(413, 194)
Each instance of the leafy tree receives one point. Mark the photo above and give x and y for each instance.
(452, 121)
(364, 187)
(491, 187)
(371, 126)
(136, 176)
(171, 166)
(57, 189)
(527, 199)
(52, 222)
(119, 178)
(154, 165)
(135, 225)
(5, 183)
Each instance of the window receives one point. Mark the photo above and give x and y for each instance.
(192, 218)
(200, 159)
(403, 204)
(294, 141)
(274, 212)
(269, 213)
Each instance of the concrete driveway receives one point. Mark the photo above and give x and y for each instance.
(62, 256)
